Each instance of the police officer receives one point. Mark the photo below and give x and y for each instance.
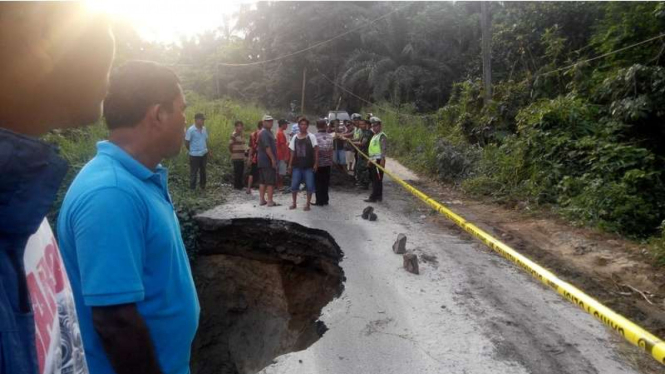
(377, 155)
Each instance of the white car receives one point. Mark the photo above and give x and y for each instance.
(340, 115)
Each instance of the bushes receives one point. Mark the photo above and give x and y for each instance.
(454, 162)
(587, 141)
(564, 155)
(567, 152)
(621, 190)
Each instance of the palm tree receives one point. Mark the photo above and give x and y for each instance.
(390, 67)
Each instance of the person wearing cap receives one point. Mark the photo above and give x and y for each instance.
(357, 131)
(196, 141)
(282, 152)
(377, 156)
(362, 174)
(267, 163)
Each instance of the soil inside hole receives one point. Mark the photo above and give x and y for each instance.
(262, 285)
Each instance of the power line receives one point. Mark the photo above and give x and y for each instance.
(319, 43)
(604, 55)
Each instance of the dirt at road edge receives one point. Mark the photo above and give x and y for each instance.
(615, 271)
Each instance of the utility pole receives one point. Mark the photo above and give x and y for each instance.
(485, 25)
(302, 100)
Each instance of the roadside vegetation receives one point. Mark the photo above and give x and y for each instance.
(587, 141)
(77, 146)
(575, 124)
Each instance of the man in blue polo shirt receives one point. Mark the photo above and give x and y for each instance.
(196, 141)
(120, 238)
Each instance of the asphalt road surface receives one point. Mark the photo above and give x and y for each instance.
(469, 310)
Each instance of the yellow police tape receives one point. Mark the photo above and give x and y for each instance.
(629, 330)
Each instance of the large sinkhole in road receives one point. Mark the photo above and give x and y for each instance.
(262, 285)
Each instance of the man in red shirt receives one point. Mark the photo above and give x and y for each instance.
(283, 153)
(253, 156)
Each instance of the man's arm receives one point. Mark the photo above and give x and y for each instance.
(364, 141)
(209, 151)
(188, 137)
(290, 162)
(316, 157)
(271, 156)
(292, 145)
(126, 339)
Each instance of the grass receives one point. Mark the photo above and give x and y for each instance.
(78, 146)
(412, 140)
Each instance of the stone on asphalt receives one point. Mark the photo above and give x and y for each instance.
(372, 217)
(411, 263)
(399, 246)
(367, 211)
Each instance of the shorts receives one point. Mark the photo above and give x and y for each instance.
(339, 157)
(267, 176)
(302, 175)
(254, 171)
(281, 167)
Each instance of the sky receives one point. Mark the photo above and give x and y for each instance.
(166, 21)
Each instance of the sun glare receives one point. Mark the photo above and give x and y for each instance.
(166, 21)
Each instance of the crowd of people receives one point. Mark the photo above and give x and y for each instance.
(114, 294)
(307, 158)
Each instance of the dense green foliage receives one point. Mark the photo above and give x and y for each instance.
(587, 140)
(77, 146)
(576, 121)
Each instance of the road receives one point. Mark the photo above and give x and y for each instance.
(469, 310)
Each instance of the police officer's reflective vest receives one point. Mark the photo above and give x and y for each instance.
(375, 146)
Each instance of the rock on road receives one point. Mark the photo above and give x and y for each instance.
(469, 310)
